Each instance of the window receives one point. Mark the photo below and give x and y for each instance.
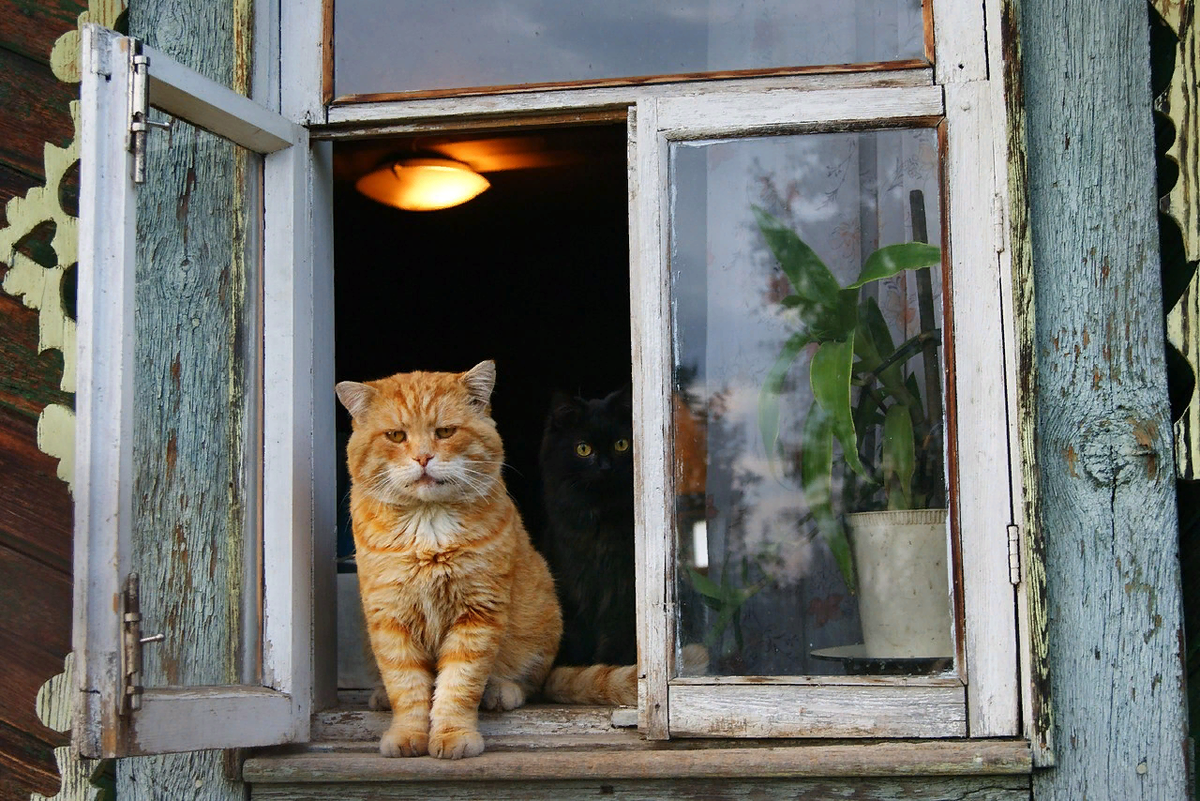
(719, 177)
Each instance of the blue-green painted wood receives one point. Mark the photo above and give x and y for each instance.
(1103, 438)
(191, 377)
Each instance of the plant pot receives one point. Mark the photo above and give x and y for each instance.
(903, 584)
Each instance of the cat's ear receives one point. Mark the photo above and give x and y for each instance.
(564, 409)
(357, 398)
(621, 400)
(480, 380)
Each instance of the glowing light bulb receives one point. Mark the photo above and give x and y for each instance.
(422, 184)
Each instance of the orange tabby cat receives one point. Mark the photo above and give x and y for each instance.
(459, 606)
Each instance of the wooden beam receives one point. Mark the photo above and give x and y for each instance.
(1103, 434)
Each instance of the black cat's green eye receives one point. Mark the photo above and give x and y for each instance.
(445, 432)
(583, 449)
(621, 445)
(395, 436)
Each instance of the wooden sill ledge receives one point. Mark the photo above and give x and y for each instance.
(625, 756)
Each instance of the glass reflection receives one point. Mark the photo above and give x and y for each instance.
(389, 46)
(808, 387)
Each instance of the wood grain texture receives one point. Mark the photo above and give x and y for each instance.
(33, 100)
(26, 765)
(1104, 437)
(190, 412)
(648, 760)
(958, 789)
(612, 97)
(1036, 707)
(30, 27)
(35, 507)
(751, 710)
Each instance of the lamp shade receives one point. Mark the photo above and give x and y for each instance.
(422, 184)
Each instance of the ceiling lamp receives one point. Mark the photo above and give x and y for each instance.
(422, 184)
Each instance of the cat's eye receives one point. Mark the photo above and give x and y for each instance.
(396, 435)
(445, 432)
(583, 449)
(621, 445)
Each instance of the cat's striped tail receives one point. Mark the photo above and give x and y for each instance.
(594, 684)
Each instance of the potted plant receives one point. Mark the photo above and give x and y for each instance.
(888, 533)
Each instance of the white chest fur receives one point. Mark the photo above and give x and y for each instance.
(432, 526)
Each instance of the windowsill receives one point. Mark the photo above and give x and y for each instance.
(551, 743)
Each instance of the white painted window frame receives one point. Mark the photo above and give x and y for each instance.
(189, 718)
(299, 452)
(981, 701)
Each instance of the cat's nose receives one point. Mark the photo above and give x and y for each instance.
(423, 459)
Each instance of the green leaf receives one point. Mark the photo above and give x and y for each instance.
(816, 476)
(898, 459)
(892, 259)
(871, 319)
(706, 586)
(768, 396)
(829, 374)
(809, 276)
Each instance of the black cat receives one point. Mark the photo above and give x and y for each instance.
(587, 490)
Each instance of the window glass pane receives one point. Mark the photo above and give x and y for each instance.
(195, 427)
(782, 369)
(390, 46)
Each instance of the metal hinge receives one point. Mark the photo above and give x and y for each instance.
(1014, 555)
(131, 646)
(139, 109)
(998, 222)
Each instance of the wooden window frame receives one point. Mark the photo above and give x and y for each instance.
(966, 76)
(965, 100)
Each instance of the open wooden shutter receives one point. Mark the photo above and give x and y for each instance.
(238, 415)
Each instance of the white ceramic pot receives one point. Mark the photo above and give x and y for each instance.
(903, 585)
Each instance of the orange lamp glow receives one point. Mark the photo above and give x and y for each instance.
(422, 184)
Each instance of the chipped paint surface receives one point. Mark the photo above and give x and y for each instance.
(1101, 432)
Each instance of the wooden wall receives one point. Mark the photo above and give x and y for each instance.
(1102, 435)
(35, 506)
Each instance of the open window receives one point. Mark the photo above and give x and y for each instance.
(701, 229)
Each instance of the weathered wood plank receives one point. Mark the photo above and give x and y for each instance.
(360, 725)
(35, 507)
(191, 412)
(647, 760)
(26, 765)
(37, 600)
(33, 100)
(28, 666)
(1104, 444)
(30, 27)
(31, 378)
(756, 710)
(1036, 707)
(1010, 788)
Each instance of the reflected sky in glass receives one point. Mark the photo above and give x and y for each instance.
(747, 538)
(408, 45)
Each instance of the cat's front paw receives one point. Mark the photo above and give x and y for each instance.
(455, 743)
(405, 743)
(502, 694)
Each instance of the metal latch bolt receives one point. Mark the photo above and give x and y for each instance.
(131, 650)
(139, 110)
